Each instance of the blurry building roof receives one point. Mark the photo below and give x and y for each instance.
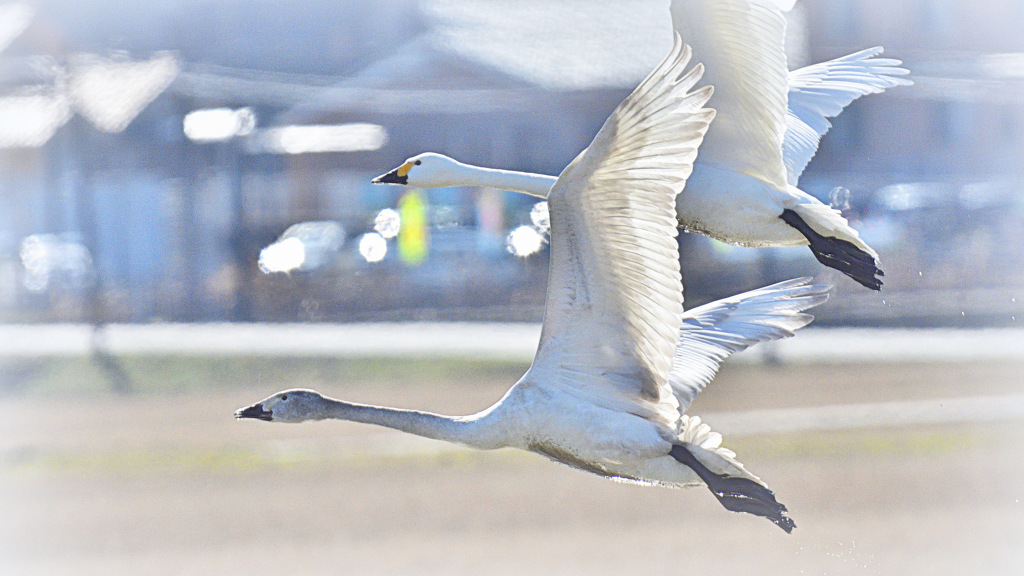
(479, 56)
(966, 76)
(14, 19)
(307, 37)
(567, 45)
(418, 78)
(215, 85)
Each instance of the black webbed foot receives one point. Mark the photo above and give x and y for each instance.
(737, 494)
(839, 254)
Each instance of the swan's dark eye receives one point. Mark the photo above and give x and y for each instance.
(418, 162)
(284, 396)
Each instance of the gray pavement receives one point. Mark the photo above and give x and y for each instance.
(479, 340)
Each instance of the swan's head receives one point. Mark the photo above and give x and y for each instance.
(287, 406)
(427, 170)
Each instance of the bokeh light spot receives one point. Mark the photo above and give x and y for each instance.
(283, 256)
(373, 247)
(524, 241)
(387, 223)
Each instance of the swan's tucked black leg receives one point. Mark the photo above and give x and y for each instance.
(839, 254)
(737, 494)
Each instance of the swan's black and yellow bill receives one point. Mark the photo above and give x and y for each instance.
(399, 175)
(255, 411)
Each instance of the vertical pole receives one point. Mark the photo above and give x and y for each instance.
(241, 310)
(119, 379)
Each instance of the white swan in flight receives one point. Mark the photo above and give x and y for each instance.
(743, 187)
(767, 129)
(618, 361)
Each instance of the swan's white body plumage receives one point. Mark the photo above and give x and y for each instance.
(619, 361)
(606, 424)
(615, 302)
(744, 178)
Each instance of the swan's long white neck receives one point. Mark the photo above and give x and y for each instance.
(478, 430)
(533, 184)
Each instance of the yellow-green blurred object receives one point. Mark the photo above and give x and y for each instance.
(414, 237)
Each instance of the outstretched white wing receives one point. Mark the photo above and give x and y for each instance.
(712, 332)
(742, 45)
(821, 91)
(614, 299)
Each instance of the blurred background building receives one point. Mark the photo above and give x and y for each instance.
(197, 161)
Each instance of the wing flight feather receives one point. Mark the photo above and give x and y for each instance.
(742, 45)
(614, 298)
(711, 333)
(821, 91)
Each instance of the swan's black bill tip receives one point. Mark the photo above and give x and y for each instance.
(391, 178)
(255, 411)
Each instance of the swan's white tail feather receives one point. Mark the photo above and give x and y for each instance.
(706, 446)
(828, 221)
